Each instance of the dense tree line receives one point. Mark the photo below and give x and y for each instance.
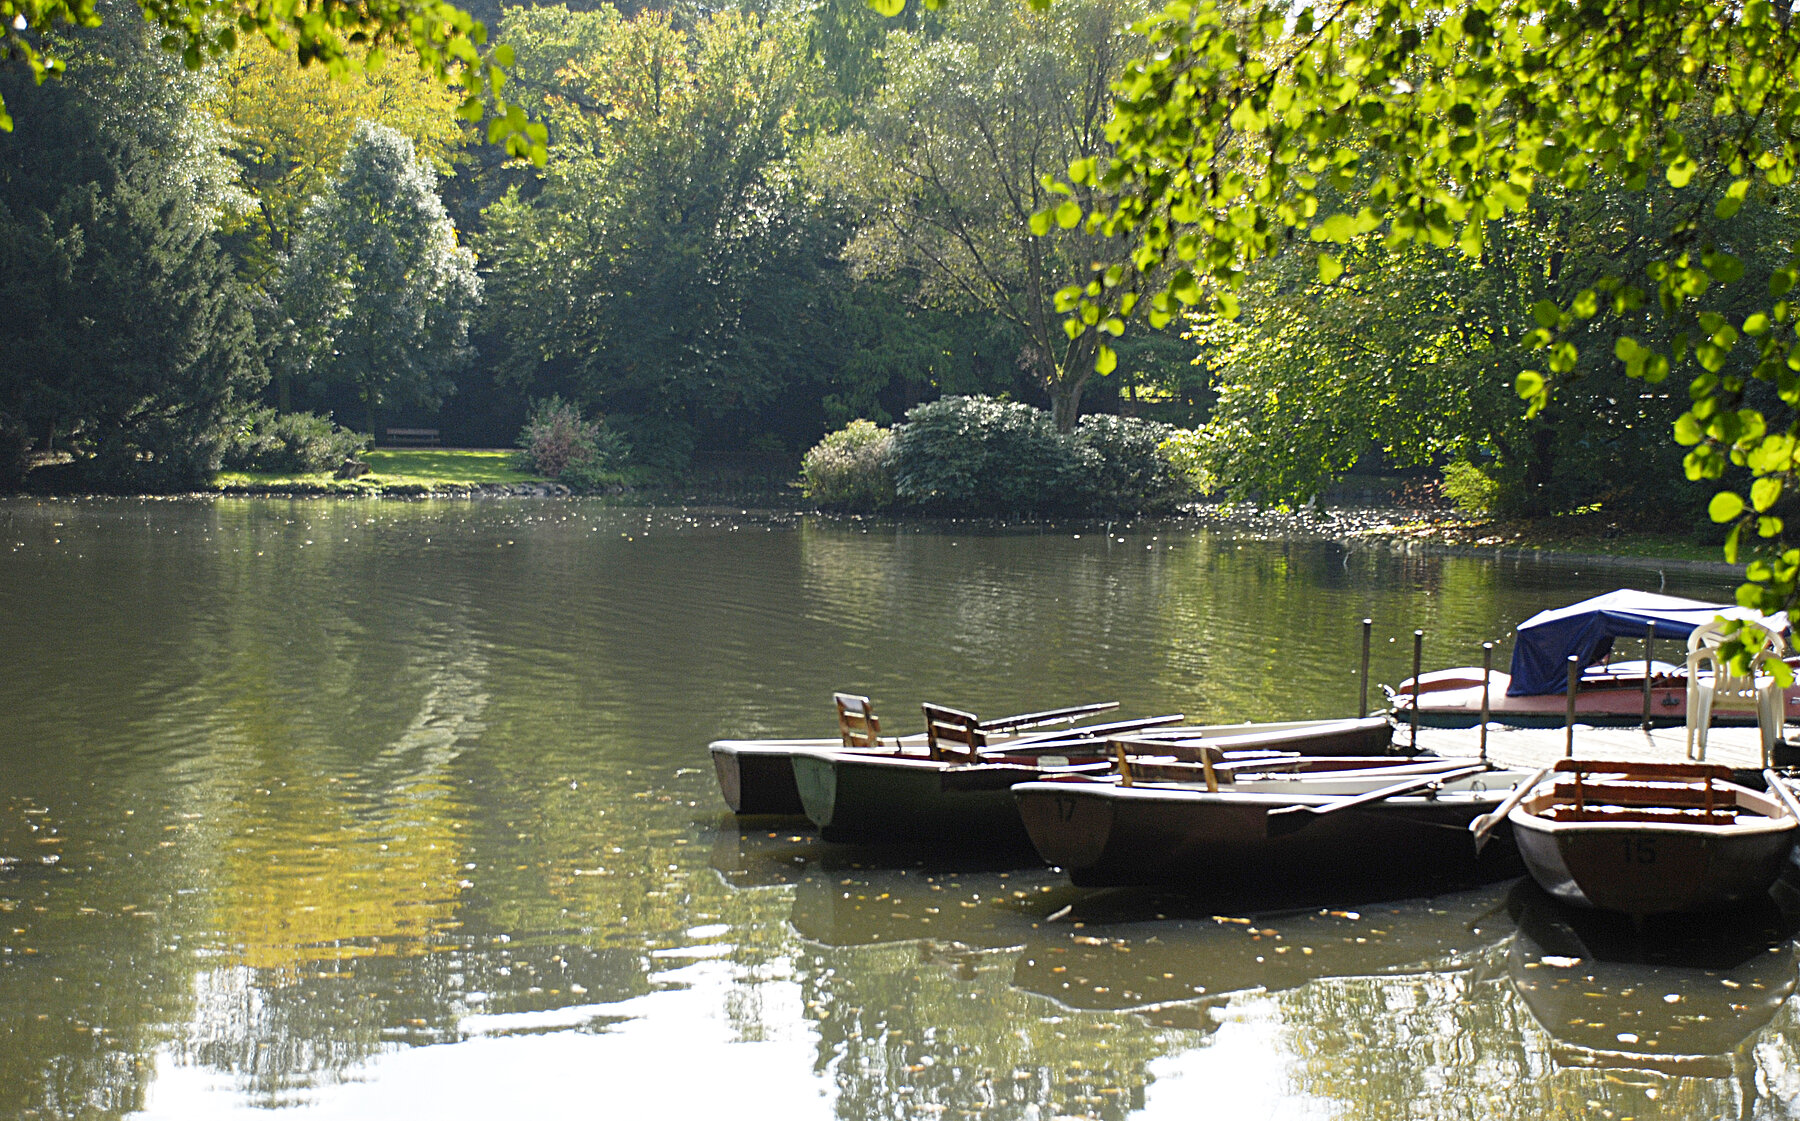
(708, 256)
(746, 226)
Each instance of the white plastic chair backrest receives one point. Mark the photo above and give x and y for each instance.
(1711, 636)
(1730, 690)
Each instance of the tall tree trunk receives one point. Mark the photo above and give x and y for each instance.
(1065, 403)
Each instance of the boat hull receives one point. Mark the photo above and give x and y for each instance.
(883, 794)
(1651, 868)
(893, 798)
(1106, 835)
(757, 776)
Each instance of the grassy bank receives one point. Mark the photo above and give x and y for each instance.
(393, 471)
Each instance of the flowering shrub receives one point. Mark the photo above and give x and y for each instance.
(848, 469)
(558, 443)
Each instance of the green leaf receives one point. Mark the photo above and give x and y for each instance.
(1330, 268)
(1529, 384)
(1105, 361)
(1726, 268)
(1764, 493)
(889, 8)
(1339, 228)
(1725, 506)
(1068, 214)
(1547, 314)
(1040, 223)
(1688, 430)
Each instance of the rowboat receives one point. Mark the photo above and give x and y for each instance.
(1681, 997)
(757, 776)
(1608, 691)
(1653, 838)
(1399, 825)
(965, 796)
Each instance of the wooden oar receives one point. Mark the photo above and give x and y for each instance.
(1048, 716)
(1782, 791)
(1483, 826)
(1287, 819)
(1073, 736)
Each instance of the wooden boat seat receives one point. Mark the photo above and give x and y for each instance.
(1637, 770)
(970, 734)
(1161, 768)
(945, 726)
(1670, 793)
(1653, 814)
(858, 725)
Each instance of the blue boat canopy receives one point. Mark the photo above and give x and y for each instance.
(1587, 629)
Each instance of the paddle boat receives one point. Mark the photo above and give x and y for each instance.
(960, 792)
(1651, 838)
(1385, 824)
(1608, 691)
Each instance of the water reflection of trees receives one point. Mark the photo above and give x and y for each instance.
(910, 1030)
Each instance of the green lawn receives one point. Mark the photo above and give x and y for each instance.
(411, 469)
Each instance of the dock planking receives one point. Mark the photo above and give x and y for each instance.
(1737, 747)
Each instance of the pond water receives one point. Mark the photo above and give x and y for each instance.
(378, 809)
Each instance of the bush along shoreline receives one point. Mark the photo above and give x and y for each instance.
(983, 457)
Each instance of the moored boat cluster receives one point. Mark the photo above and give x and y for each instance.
(1325, 804)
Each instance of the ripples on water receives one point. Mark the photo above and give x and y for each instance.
(403, 809)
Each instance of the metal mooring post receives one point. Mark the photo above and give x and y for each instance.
(1569, 718)
(1649, 642)
(1418, 660)
(1362, 706)
(1487, 678)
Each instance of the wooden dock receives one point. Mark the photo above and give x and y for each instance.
(1737, 746)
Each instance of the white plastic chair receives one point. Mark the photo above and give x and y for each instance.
(1710, 688)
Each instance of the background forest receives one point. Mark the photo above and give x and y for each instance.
(756, 225)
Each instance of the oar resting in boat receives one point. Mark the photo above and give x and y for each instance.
(951, 732)
(1289, 818)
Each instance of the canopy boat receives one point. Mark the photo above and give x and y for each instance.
(1534, 692)
(1381, 824)
(757, 776)
(963, 793)
(1652, 838)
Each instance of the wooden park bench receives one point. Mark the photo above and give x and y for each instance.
(412, 437)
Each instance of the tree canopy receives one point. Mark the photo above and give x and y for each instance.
(447, 43)
(377, 293)
(1242, 133)
(949, 168)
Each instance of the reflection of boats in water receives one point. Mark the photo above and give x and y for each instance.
(759, 853)
(962, 905)
(1679, 995)
(1173, 969)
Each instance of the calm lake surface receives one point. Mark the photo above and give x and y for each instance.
(397, 809)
